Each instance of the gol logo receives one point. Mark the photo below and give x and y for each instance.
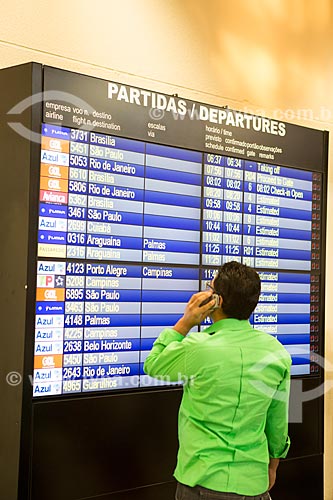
(55, 145)
(50, 294)
(55, 171)
(48, 362)
(54, 184)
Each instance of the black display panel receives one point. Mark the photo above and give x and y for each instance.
(130, 229)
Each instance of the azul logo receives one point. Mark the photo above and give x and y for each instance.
(55, 223)
(49, 320)
(47, 267)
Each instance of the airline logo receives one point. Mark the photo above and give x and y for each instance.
(48, 267)
(45, 281)
(52, 223)
(53, 237)
(56, 131)
(49, 320)
(48, 361)
(47, 183)
(53, 144)
(47, 375)
(54, 157)
(48, 348)
(50, 210)
(50, 294)
(45, 250)
(50, 334)
(47, 389)
(55, 171)
(50, 307)
(52, 197)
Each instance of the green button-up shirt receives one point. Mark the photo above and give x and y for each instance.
(234, 412)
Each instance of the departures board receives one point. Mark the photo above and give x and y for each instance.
(142, 197)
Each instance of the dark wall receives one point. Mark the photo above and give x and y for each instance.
(300, 479)
(100, 445)
(124, 447)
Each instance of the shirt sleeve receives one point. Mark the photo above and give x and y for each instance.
(276, 429)
(167, 359)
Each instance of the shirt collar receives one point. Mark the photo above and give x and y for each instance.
(228, 324)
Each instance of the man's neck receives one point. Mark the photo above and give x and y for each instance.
(217, 315)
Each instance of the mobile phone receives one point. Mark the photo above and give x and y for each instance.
(216, 299)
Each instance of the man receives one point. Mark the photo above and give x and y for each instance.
(233, 418)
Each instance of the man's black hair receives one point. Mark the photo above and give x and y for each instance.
(239, 286)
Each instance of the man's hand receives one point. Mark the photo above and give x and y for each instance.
(272, 468)
(194, 314)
